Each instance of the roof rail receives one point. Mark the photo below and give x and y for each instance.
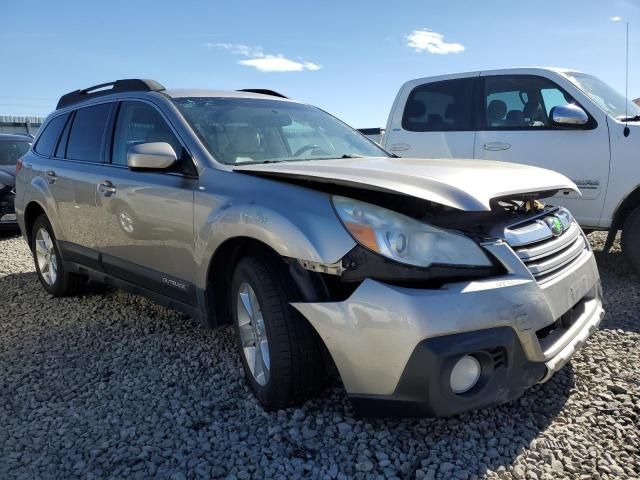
(263, 91)
(126, 85)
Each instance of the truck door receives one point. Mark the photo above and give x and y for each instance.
(515, 126)
(436, 121)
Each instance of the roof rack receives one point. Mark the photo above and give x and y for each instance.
(263, 91)
(125, 85)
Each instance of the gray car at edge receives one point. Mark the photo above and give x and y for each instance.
(431, 287)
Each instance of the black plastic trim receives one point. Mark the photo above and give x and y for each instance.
(263, 91)
(125, 85)
(147, 278)
(423, 389)
(166, 285)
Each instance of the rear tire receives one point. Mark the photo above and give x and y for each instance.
(296, 367)
(630, 240)
(49, 265)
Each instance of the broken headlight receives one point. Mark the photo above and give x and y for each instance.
(404, 239)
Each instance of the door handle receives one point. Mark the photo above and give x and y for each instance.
(51, 176)
(496, 146)
(107, 188)
(399, 147)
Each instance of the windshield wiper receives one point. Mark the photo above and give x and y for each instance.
(352, 155)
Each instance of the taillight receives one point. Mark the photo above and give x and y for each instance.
(18, 166)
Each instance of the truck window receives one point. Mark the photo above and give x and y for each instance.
(439, 107)
(521, 101)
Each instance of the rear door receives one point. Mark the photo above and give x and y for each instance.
(437, 120)
(146, 217)
(71, 172)
(515, 127)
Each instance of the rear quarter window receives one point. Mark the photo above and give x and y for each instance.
(49, 137)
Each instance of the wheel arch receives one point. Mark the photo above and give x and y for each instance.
(630, 202)
(219, 273)
(32, 211)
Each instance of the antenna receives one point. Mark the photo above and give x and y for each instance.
(626, 89)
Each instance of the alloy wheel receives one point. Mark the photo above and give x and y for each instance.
(253, 334)
(46, 257)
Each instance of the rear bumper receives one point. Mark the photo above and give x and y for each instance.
(395, 347)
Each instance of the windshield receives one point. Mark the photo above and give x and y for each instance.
(12, 150)
(251, 130)
(605, 96)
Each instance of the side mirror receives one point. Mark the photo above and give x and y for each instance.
(151, 156)
(569, 115)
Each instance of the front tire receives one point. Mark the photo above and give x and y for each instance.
(49, 266)
(630, 240)
(281, 353)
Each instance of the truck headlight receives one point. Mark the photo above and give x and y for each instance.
(404, 239)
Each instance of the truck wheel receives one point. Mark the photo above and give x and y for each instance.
(49, 266)
(631, 239)
(281, 353)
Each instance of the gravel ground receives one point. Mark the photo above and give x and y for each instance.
(110, 385)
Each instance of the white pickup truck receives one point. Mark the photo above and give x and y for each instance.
(548, 117)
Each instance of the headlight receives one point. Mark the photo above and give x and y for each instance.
(404, 239)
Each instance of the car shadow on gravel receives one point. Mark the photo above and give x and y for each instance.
(156, 392)
(464, 446)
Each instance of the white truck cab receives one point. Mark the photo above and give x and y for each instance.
(548, 117)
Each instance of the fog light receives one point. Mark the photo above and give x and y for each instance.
(465, 374)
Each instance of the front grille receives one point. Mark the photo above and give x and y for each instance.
(544, 254)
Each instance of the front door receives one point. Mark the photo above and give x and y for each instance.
(147, 216)
(516, 128)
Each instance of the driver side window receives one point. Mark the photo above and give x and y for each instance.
(521, 102)
(137, 123)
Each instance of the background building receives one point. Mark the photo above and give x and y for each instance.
(24, 125)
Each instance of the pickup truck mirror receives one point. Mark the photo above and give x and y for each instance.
(151, 156)
(569, 115)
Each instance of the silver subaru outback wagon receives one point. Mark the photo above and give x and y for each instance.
(431, 286)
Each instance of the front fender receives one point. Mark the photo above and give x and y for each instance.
(295, 222)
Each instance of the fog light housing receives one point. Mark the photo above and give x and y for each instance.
(465, 374)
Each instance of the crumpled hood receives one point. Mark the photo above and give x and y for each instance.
(463, 184)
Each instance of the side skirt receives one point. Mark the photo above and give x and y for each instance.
(167, 291)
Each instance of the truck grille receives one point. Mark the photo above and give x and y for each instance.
(544, 254)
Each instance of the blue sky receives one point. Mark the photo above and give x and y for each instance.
(347, 57)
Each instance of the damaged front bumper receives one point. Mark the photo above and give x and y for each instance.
(395, 347)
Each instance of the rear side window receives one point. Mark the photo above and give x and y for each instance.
(49, 137)
(440, 107)
(87, 133)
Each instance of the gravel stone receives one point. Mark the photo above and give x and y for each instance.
(111, 385)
